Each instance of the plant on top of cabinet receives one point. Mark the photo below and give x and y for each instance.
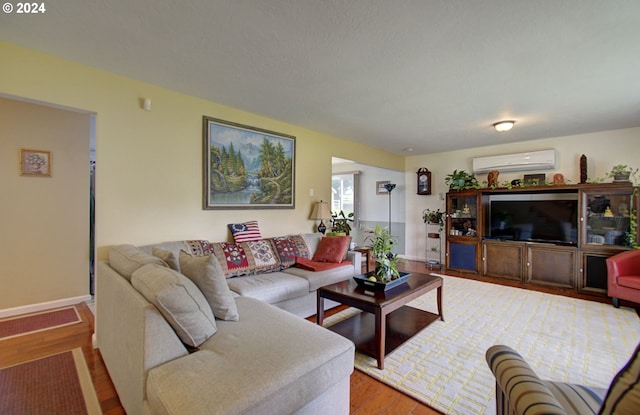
(622, 172)
(460, 180)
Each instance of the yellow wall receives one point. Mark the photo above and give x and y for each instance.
(149, 164)
(45, 220)
(149, 168)
(603, 151)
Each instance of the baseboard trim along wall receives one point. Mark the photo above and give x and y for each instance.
(34, 308)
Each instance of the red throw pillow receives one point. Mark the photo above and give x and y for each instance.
(331, 249)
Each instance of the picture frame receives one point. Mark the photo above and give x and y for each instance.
(535, 179)
(380, 189)
(35, 163)
(235, 174)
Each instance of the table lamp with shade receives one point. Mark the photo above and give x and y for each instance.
(320, 211)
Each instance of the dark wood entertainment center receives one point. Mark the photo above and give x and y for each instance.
(575, 261)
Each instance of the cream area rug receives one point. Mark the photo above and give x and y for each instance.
(563, 339)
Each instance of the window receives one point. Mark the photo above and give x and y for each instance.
(344, 194)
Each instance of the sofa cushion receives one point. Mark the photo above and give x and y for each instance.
(332, 249)
(288, 363)
(126, 259)
(245, 232)
(206, 273)
(326, 277)
(270, 288)
(623, 396)
(289, 248)
(179, 300)
(167, 256)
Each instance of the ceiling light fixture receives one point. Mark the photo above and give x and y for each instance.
(502, 126)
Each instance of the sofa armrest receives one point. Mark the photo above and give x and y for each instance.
(518, 388)
(132, 335)
(356, 259)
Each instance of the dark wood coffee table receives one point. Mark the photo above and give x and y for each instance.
(386, 321)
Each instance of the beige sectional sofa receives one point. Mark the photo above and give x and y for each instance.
(169, 350)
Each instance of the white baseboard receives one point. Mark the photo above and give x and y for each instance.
(34, 308)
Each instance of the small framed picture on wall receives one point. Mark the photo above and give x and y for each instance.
(35, 163)
(380, 189)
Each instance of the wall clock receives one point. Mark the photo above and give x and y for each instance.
(424, 181)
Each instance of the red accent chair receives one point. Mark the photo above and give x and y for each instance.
(623, 277)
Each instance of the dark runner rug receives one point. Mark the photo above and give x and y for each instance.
(56, 384)
(26, 324)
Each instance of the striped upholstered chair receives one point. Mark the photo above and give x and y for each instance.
(519, 391)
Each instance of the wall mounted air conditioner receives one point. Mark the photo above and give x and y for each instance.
(532, 160)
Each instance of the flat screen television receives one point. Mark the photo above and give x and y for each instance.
(543, 217)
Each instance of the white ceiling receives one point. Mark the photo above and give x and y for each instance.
(430, 75)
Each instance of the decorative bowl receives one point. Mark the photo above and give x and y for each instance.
(363, 281)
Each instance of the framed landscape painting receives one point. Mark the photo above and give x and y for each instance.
(247, 167)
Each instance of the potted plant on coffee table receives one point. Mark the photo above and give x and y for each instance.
(386, 261)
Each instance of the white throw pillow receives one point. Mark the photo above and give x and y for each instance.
(126, 259)
(206, 273)
(179, 300)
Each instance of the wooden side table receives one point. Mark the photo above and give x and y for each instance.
(365, 251)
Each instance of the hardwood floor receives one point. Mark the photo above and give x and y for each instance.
(368, 396)
(33, 346)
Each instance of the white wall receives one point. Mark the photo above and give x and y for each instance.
(374, 208)
(603, 151)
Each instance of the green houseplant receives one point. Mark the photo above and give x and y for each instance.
(386, 261)
(435, 217)
(340, 222)
(622, 173)
(460, 180)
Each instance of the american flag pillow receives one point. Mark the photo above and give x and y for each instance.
(245, 232)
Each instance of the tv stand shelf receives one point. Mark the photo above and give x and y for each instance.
(561, 242)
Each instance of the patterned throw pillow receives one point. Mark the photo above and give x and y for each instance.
(245, 232)
(264, 256)
(290, 247)
(200, 247)
(232, 259)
